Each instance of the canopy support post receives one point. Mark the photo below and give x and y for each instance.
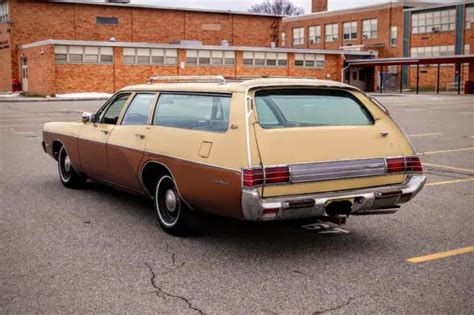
(437, 80)
(417, 78)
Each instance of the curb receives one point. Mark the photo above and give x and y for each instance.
(52, 99)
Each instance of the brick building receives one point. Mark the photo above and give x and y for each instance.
(395, 29)
(60, 46)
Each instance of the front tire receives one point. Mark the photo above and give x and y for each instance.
(67, 174)
(172, 213)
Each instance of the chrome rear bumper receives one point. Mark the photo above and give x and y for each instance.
(375, 200)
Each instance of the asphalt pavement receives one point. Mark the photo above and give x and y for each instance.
(100, 250)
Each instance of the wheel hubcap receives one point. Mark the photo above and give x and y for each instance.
(170, 200)
(67, 164)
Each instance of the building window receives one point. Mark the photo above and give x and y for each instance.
(309, 60)
(467, 49)
(369, 28)
(298, 36)
(332, 33)
(210, 58)
(147, 56)
(469, 17)
(84, 54)
(314, 34)
(283, 39)
(432, 51)
(433, 22)
(106, 20)
(3, 11)
(350, 30)
(265, 59)
(393, 36)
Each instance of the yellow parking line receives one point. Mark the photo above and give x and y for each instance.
(459, 251)
(426, 134)
(446, 151)
(451, 181)
(449, 167)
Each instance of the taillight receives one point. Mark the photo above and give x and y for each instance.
(252, 177)
(409, 164)
(275, 175)
(413, 164)
(395, 165)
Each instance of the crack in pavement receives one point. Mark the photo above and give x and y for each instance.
(339, 306)
(164, 294)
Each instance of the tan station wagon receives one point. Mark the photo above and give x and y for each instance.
(263, 149)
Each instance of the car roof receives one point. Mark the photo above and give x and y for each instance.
(234, 86)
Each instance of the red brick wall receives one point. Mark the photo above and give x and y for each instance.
(35, 21)
(384, 18)
(5, 58)
(41, 70)
(47, 77)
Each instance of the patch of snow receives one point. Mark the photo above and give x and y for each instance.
(84, 95)
(10, 95)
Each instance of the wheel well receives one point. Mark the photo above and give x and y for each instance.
(56, 147)
(151, 173)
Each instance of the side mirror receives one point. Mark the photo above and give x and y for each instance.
(88, 117)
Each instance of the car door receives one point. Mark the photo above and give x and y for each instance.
(93, 138)
(126, 143)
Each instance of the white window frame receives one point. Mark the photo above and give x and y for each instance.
(432, 51)
(331, 33)
(150, 56)
(298, 36)
(314, 33)
(393, 36)
(433, 21)
(369, 28)
(105, 55)
(265, 59)
(217, 58)
(352, 27)
(310, 61)
(3, 11)
(469, 16)
(283, 39)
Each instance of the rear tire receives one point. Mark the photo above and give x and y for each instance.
(173, 215)
(69, 177)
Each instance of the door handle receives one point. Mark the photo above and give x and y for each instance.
(105, 131)
(139, 135)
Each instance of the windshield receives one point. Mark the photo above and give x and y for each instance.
(286, 108)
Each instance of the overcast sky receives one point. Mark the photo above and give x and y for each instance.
(243, 5)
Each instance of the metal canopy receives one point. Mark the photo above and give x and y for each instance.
(457, 59)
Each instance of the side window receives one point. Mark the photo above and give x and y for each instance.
(112, 112)
(193, 111)
(137, 111)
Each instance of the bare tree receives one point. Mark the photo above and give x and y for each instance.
(280, 7)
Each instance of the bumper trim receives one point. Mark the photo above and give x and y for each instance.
(365, 201)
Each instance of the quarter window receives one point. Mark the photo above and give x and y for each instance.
(137, 111)
(112, 113)
(332, 33)
(193, 111)
(314, 34)
(350, 30)
(298, 36)
(369, 28)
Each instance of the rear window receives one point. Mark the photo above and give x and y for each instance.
(288, 108)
